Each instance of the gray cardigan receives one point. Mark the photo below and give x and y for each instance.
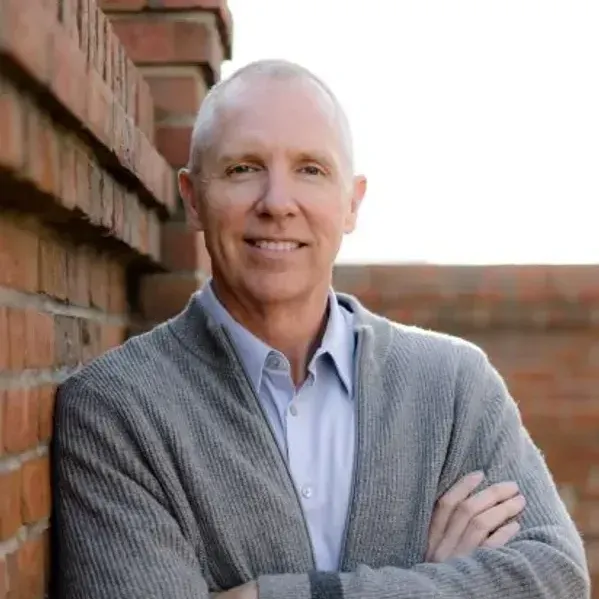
(169, 484)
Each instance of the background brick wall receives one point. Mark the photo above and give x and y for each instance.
(540, 327)
(87, 206)
(96, 110)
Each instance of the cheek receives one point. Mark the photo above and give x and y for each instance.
(328, 217)
(227, 208)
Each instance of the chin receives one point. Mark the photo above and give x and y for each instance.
(279, 287)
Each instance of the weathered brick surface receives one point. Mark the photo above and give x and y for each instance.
(85, 198)
(85, 193)
(179, 47)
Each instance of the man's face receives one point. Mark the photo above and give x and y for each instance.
(278, 194)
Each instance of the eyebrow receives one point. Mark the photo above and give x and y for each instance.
(254, 155)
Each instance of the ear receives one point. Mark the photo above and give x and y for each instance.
(190, 196)
(358, 193)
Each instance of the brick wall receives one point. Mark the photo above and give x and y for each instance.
(88, 214)
(96, 111)
(540, 327)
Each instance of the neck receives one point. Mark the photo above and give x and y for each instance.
(295, 328)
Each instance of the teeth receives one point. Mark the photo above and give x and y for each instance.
(277, 246)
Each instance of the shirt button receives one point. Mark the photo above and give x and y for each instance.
(306, 491)
(275, 362)
(293, 410)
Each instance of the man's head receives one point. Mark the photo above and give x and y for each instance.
(270, 182)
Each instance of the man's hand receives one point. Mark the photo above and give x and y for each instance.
(462, 522)
(249, 590)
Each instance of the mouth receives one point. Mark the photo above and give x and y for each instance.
(275, 245)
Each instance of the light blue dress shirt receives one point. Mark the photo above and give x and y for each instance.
(314, 425)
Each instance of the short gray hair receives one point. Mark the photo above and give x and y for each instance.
(203, 133)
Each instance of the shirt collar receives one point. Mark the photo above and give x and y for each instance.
(338, 340)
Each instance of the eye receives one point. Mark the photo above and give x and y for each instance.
(312, 170)
(240, 169)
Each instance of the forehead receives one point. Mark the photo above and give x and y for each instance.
(272, 114)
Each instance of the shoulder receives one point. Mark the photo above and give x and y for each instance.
(422, 353)
(114, 380)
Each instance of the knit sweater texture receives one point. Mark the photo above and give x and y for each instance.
(168, 481)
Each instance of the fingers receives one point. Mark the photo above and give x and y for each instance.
(481, 526)
(476, 517)
(446, 506)
(502, 535)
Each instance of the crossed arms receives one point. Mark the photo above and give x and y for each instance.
(111, 546)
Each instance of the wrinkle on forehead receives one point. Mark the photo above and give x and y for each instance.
(235, 92)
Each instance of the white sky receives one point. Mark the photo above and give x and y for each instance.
(476, 121)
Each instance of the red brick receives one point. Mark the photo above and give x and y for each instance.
(586, 515)
(70, 18)
(43, 166)
(96, 186)
(67, 347)
(143, 230)
(3, 579)
(117, 59)
(69, 70)
(205, 4)
(219, 7)
(99, 107)
(4, 349)
(107, 200)
(124, 136)
(99, 284)
(27, 569)
(117, 297)
(92, 36)
(101, 45)
(154, 237)
(78, 275)
(131, 80)
(31, 52)
(164, 295)
(35, 490)
(18, 255)
(174, 143)
(17, 340)
(110, 39)
(111, 336)
(10, 504)
(167, 190)
(83, 25)
(21, 414)
(39, 328)
(68, 173)
(168, 41)
(91, 339)
(124, 5)
(180, 247)
(177, 94)
(144, 110)
(132, 218)
(53, 268)
(118, 215)
(12, 148)
(82, 176)
(46, 397)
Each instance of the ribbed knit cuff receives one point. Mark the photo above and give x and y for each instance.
(316, 585)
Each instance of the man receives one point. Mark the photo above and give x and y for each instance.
(277, 440)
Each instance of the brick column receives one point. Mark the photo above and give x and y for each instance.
(179, 46)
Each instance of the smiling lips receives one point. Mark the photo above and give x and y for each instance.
(275, 246)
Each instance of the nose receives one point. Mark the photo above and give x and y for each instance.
(278, 200)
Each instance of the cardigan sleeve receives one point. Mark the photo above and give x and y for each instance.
(113, 535)
(545, 561)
